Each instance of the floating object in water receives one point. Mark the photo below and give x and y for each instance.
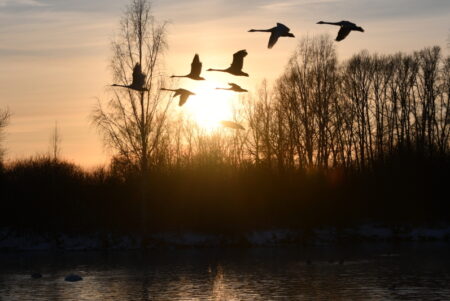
(36, 275)
(73, 278)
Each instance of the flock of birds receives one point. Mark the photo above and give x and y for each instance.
(139, 78)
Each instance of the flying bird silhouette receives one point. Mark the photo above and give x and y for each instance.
(278, 31)
(346, 27)
(233, 87)
(196, 69)
(138, 82)
(236, 65)
(184, 94)
(232, 125)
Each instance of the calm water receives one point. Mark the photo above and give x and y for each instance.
(370, 272)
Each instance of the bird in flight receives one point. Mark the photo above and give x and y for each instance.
(232, 125)
(138, 82)
(196, 69)
(183, 93)
(236, 65)
(278, 31)
(346, 27)
(233, 87)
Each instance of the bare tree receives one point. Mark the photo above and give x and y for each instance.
(305, 95)
(55, 143)
(4, 119)
(428, 60)
(132, 122)
(267, 142)
(443, 111)
(319, 115)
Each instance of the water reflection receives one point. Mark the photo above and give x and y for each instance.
(417, 272)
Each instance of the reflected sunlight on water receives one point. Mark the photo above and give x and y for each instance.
(417, 273)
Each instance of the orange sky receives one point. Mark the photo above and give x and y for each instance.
(54, 56)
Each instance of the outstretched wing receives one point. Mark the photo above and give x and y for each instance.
(196, 66)
(238, 60)
(282, 28)
(137, 70)
(234, 86)
(273, 39)
(343, 32)
(138, 76)
(183, 99)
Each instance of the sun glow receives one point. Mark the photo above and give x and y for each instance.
(209, 106)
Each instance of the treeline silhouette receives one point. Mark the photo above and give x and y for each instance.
(328, 144)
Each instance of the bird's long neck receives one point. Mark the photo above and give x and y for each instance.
(259, 30)
(116, 85)
(331, 23)
(164, 89)
(179, 76)
(222, 89)
(221, 70)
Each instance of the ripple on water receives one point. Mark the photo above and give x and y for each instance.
(414, 273)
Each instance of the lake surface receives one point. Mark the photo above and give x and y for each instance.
(364, 272)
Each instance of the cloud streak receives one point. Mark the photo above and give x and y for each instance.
(20, 3)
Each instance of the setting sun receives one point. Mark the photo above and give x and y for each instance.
(224, 150)
(209, 106)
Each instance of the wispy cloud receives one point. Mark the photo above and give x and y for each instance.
(17, 5)
(55, 52)
(295, 3)
(12, 3)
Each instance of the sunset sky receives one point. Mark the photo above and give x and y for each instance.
(54, 55)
